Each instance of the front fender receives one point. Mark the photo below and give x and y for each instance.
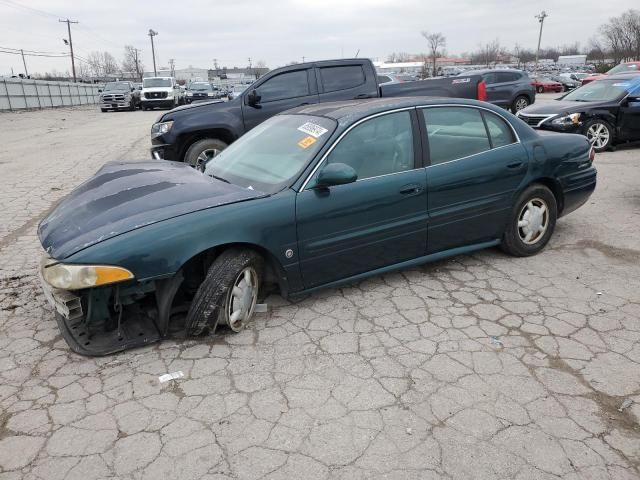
(160, 250)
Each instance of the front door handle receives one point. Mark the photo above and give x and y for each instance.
(411, 189)
(363, 95)
(514, 164)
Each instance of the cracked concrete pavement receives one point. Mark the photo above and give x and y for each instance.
(480, 367)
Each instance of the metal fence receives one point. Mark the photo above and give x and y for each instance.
(24, 94)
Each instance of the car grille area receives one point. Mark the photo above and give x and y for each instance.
(113, 97)
(154, 95)
(533, 120)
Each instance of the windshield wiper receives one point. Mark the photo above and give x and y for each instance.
(219, 178)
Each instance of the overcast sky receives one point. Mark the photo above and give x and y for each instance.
(194, 32)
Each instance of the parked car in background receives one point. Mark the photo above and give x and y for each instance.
(119, 96)
(606, 111)
(577, 76)
(389, 78)
(199, 91)
(236, 91)
(627, 67)
(545, 85)
(509, 89)
(316, 197)
(567, 83)
(160, 92)
(195, 133)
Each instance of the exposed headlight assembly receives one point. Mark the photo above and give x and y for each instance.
(161, 128)
(567, 120)
(75, 277)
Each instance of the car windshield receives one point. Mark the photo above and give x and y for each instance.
(156, 82)
(272, 154)
(624, 67)
(200, 87)
(117, 86)
(599, 91)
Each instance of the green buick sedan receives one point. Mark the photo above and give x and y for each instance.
(315, 197)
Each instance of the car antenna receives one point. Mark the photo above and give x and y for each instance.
(357, 53)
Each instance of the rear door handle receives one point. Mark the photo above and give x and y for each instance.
(411, 189)
(514, 164)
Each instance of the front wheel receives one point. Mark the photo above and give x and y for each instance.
(540, 89)
(599, 133)
(519, 103)
(228, 294)
(532, 222)
(202, 151)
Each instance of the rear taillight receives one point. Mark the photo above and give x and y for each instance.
(482, 91)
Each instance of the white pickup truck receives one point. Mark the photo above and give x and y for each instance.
(160, 92)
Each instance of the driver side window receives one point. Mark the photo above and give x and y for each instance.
(379, 146)
(283, 86)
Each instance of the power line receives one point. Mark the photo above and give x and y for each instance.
(42, 13)
(30, 51)
(62, 55)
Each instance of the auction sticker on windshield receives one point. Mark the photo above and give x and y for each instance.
(306, 142)
(312, 129)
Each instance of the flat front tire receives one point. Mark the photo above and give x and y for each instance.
(202, 151)
(531, 223)
(228, 294)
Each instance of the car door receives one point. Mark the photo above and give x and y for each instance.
(279, 93)
(378, 220)
(495, 92)
(476, 166)
(629, 116)
(344, 82)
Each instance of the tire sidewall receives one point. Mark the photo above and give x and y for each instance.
(198, 147)
(514, 107)
(512, 242)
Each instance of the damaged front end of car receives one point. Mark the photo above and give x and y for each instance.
(103, 309)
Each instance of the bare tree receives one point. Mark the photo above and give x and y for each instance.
(400, 57)
(132, 62)
(436, 42)
(487, 53)
(621, 36)
(102, 64)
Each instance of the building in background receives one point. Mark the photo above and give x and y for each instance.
(572, 59)
(236, 75)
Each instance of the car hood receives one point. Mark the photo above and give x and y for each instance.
(124, 92)
(198, 105)
(558, 107)
(124, 196)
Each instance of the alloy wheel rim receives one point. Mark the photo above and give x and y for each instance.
(598, 134)
(533, 221)
(242, 299)
(205, 156)
(520, 104)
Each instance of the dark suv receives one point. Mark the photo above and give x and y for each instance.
(510, 89)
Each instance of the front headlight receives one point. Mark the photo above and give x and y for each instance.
(567, 120)
(189, 94)
(76, 277)
(209, 94)
(161, 128)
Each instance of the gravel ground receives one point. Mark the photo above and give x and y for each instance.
(480, 367)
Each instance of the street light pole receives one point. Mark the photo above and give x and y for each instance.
(540, 18)
(153, 51)
(26, 73)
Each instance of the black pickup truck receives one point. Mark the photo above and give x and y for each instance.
(196, 132)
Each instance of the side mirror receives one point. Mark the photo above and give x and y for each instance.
(633, 100)
(133, 89)
(336, 174)
(253, 98)
(99, 90)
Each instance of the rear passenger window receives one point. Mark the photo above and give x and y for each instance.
(504, 77)
(341, 78)
(500, 133)
(284, 86)
(454, 132)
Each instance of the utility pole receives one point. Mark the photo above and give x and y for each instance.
(26, 74)
(172, 62)
(540, 18)
(303, 57)
(138, 72)
(153, 51)
(73, 64)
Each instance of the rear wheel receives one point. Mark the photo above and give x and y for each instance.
(202, 151)
(532, 222)
(519, 103)
(228, 294)
(599, 133)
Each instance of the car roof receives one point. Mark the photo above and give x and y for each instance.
(352, 110)
(624, 76)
